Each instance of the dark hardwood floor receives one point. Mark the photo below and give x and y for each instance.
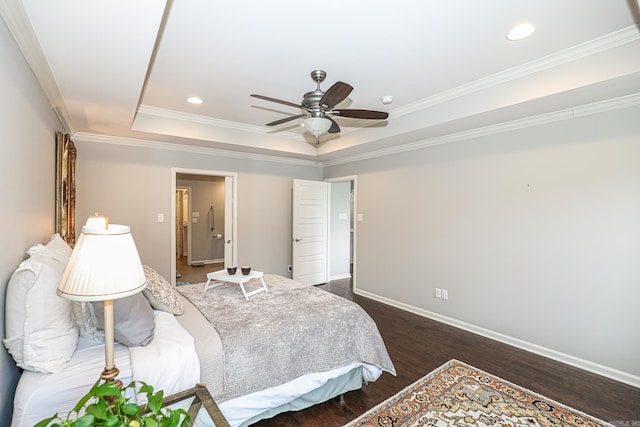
(418, 345)
(191, 274)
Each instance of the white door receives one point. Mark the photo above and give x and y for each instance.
(229, 226)
(310, 221)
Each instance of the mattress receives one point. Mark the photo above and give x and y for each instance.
(63, 390)
(41, 395)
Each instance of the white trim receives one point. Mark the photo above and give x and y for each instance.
(354, 179)
(340, 277)
(574, 53)
(213, 122)
(169, 146)
(209, 261)
(541, 119)
(20, 26)
(596, 368)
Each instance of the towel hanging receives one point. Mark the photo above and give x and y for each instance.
(210, 218)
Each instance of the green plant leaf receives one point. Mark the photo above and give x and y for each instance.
(149, 422)
(46, 422)
(113, 421)
(175, 418)
(84, 421)
(86, 397)
(108, 389)
(155, 402)
(98, 409)
(146, 388)
(130, 409)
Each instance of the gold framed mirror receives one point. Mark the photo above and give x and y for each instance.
(65, 188)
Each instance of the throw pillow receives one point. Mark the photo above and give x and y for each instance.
(160, 293)
(132, 318)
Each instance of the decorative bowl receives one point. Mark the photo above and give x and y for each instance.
(246, 269)
(232, 270)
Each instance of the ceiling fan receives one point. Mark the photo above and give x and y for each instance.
(318, 106)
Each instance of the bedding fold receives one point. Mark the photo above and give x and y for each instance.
(172, 345)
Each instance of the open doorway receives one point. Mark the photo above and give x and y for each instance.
(204, 223)
(342, 231)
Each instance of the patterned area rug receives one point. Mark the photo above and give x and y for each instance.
(457, 394)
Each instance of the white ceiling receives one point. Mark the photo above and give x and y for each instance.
(122, 68)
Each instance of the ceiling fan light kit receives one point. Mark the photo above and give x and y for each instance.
(317, 125)
(318, 105)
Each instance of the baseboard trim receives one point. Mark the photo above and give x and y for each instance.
(596, 368)
(201, 262)
(340, 277)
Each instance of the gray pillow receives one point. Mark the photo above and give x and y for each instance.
(132, 318)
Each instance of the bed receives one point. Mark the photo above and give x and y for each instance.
(285, 349)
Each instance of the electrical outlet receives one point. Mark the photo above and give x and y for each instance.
(289, 268)
(438, 293)
(445, 294)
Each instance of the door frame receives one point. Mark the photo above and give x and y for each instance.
(354, 180)
(188, 190)
(233, 198)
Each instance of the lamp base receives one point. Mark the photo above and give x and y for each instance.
(110, 374)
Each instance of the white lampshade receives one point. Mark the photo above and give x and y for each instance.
(104, 265)
(317, 125)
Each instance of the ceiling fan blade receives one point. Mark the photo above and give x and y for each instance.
(286, 119)
(361, 114)
(279, 101)
(334, 126)
(336, 94)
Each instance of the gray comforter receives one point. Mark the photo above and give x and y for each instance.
(292, 330)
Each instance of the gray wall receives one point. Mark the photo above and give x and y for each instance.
(535, 234)
(27, 172)
(206, 191)
(132, 184)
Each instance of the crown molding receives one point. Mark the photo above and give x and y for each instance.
(541, 119)
(212, 122)
(574, 53)
(133, 142)
(567, 114)
(16, 18)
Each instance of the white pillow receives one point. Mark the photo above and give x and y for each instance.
(41, 333)
(160, 293)
(84, 316)
(57, 249)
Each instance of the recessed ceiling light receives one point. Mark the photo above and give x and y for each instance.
(521, 31)
(194, 100)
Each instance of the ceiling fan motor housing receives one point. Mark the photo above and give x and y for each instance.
(311, 102)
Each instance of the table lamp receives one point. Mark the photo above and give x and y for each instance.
(103, 266)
